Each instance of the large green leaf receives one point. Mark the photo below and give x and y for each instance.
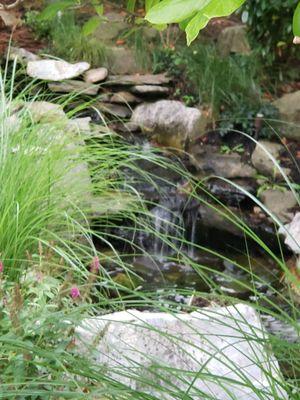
(194, 26)
(194, 15)
(296, 21)
(221, 8)
(171, 11)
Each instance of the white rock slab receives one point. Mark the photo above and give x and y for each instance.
(168, 355)
(55, 70)
(291, 232)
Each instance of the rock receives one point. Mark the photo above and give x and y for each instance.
(111, 28)
(170, 122)
(96, 75)
(122, 61)
(150, 90)
(124, 98)
(22, 55)
(72, 86)
(209, 161)
(55, 70)
(134, 80)
(80, 125)
(233, 39)
(116, 110)
(291, 232)
(263, 163)
(46, 112)
(279, 203)
(229, 343)
(229, 193)
(289, 110)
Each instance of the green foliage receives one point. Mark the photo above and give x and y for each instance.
(192, 15)
(244, 116)
(210, 78)
(296, 21)
(68, 39)
(270, 24)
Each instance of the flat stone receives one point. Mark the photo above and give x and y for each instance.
(279, 203)
(262, 161)
(116, 110)
(55, 70)
(289, 110)
(124, 98)
(170, 122)
(227, 342)
(150, 90)
(23, 56)
(209, 161)
(133, 80)
(233, 39)
(72, 86)
(96, 75)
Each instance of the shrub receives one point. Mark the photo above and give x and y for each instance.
(271, 30)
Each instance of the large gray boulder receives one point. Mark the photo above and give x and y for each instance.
(289, 109)
(170, 122)
(55, 70)
(216, 352)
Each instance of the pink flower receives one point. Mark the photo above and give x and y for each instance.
(1, 267)
(95, 265)
(74, 292)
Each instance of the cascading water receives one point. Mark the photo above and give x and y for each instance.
(175, 227)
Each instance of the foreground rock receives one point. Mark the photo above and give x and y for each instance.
(137, 348)
(170, 122)
(289, 109)
(263, 162)
(54, 70)
(46, 112)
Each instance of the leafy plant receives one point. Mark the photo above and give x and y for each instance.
(239, 148)
(209, 78)
(256, 119)
(271, 27)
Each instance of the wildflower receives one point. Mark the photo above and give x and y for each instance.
(1, 267)
(95, 265)
(74, 292)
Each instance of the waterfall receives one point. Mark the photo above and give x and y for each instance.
(175, 227)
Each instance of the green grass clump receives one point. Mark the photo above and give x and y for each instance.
(213, 80)
(66, 39)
